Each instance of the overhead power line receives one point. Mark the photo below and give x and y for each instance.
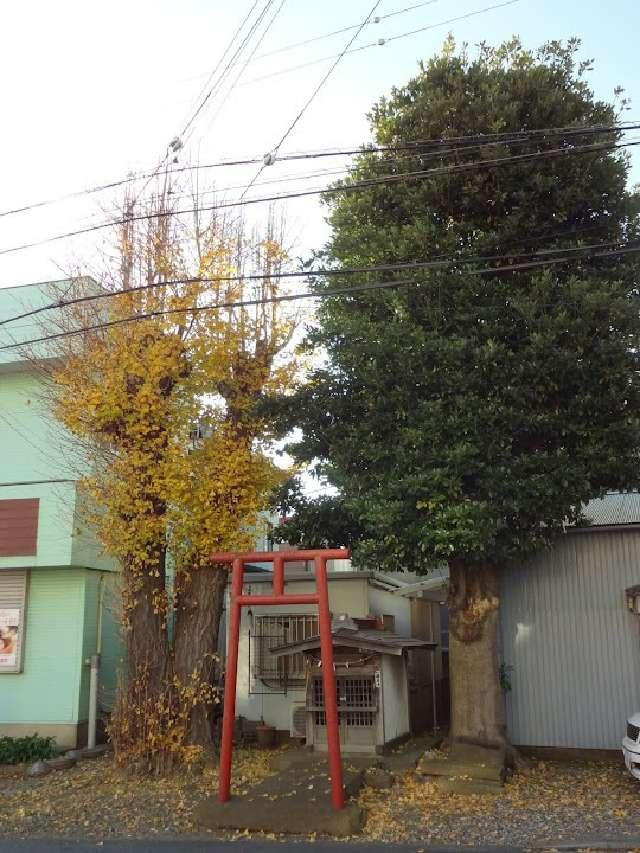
(291, 297)
(435, 263)
(400, 157)
(245, 64)
(508, 252)
(209, 87)
(378, 19)
(177, 143)
(382, 41)
(346, 187)
(506, 137)
(309, 101)
(323, 272)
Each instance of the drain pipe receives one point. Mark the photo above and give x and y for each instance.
(433, 690)
(94, 663)
(93, 701)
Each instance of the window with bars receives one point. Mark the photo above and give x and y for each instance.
(271, 631)
(356, 701)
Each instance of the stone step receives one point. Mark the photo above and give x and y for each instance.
(445, 767)
(469, 753)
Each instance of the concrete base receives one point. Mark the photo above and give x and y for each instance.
(296, 801)
(67, 735)
(309, 760)
(565, 753)
(409, 754)
(404, 757)
(466, 769)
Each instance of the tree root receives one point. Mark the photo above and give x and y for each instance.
(516, 761)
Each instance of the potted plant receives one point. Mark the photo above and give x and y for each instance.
(265, 735)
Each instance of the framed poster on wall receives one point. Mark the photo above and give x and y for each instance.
(13, 587)
(10, 625)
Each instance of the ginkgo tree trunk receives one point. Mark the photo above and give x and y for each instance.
(161, 389)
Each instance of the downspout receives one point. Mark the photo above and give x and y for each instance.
(94, 663)
(433, 689)
(433, 671)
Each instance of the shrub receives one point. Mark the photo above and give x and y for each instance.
(19, 750)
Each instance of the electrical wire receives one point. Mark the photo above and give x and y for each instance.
(203, 96)
(178, 142)
(387, 161)
(431, 155)
(376, 20)
(346, 187)
(292, 297)
(382, 42)
(245, 65)
(506, 137)
(436, 263)
(245, 42)
(330, 190)
(232, 63)
(180, 139)
(311, 98)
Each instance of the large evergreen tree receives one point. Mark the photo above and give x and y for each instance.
(467, 416)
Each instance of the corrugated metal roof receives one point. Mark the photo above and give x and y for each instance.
(614, 508)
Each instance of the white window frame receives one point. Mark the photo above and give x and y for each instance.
(13, 597)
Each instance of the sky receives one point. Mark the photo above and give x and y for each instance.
(93, 91)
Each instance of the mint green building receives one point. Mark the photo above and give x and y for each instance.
(58, 592)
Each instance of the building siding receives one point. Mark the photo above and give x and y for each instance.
(573, 645)
(47, 690)
(40, 461)
(33, 467)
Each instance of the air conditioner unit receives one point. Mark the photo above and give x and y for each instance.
(298, 727)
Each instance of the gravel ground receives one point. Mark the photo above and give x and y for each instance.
(97, 800)
(555, 803)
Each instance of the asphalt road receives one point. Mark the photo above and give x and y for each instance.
(43, 846)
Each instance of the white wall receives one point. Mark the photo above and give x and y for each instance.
(395, 697)
(399, 606)
(253, 699)
(353, 595)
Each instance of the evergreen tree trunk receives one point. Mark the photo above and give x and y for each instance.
(477, 710)
(199, 600)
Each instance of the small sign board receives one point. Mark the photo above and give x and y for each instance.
(13, 594)
(10, 630)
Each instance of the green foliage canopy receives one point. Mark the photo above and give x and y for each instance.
(469, 416)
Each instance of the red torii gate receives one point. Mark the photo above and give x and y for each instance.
(237, 602)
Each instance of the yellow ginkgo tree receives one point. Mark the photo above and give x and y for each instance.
(162, 392)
